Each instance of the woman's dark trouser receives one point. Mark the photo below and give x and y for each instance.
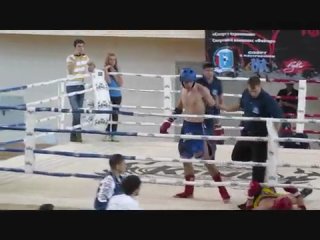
(114, 117)
(76, 102)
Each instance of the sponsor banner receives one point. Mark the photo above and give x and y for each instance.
(280, 54)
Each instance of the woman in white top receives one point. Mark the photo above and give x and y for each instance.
(131, 187)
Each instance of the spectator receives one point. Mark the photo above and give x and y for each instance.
(76, 66)
(111, 184)
(91, 67)
(288, 106)
(46, 207)
(131, 187)
(214, 85)
(114, 81)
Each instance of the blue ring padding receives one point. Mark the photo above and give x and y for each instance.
(10, 142)
(22, 107)
(11, 89)
(15, 125)
(67, 154)
(53, 174)
(135, 134)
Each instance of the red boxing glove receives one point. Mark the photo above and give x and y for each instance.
(254, 189)
(165, 126)
(218, 130)
(292, 190)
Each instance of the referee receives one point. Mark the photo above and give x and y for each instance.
(255, 102)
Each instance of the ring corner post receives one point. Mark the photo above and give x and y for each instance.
(29, 141)
(301, 105)
(61, 104)
(273, 153)
(167, 98)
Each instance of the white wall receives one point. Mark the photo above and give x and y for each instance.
(194, 34)
(27, 59)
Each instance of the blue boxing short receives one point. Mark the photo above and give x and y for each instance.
(191, 148)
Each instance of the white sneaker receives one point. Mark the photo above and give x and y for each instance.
(106, 138)
(113, 139)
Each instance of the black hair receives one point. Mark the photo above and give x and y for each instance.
(46, 207)
(130, 184)
(207, 65)
(115, 160)
(78, 41)
(254, 81)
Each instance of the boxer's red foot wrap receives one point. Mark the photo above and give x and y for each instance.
(222, 190)
(188, 190)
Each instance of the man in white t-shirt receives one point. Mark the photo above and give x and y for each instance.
(76, 68)
(131, 187)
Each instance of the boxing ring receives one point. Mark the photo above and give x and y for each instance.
(67, 174)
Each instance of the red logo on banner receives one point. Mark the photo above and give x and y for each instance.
(296, 66)
(310, 33)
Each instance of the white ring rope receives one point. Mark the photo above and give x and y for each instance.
(230, 138)
(209, 137)
(172, 91)
(41, 120)
(161, 91)
(183, 115)
(278, 120)
(162, 108)
(52, 133)
(39, 84)
(42, 135)
(159, 124)
(77, 126)
(177, 76)
(205, 183)
(142, 114)
(51, 99)
(127, 106)
(58, 97)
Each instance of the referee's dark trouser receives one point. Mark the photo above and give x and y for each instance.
(245, 151)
